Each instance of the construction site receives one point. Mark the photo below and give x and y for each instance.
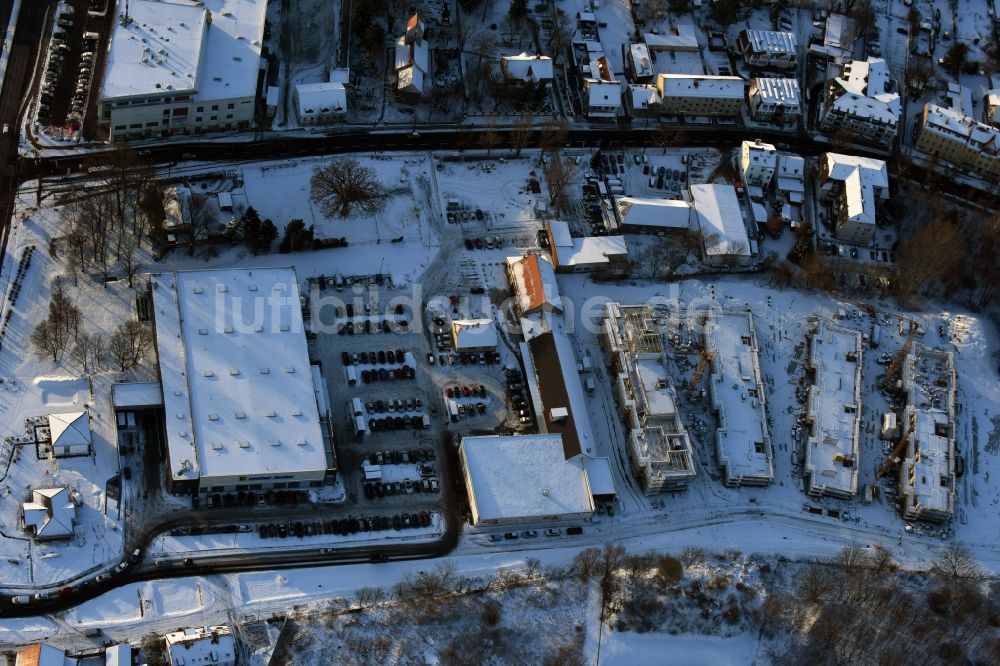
(632, 338)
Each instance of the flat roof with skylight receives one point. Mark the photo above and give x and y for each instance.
(237, 382)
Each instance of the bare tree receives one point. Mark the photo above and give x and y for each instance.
(85, 350)
(956, 561)
(201, 221)
(343, 185)
(129, 343)
(669, 572)
(559, 175)
(489, 137)
(815, 583)
(560, 35)
(933, 254)
(524, 127)
(552, 134)
(49, 339)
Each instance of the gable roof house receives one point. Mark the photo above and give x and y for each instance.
(412, 61)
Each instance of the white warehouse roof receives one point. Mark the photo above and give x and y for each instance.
(654, 213)
(210, 48)
(237, 383)
(861, 176)
(524, 477)
(718, 213)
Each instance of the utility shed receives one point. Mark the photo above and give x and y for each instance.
(70, 434)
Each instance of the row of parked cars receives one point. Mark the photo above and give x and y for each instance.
(401, 457)
(386, 325)
(375, 489)
(407, 422)
(460, 216)
(481, 243)
(517, 397)
(344, 526)
(380, 357)
(394, 405)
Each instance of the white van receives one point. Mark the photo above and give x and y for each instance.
(352, 375)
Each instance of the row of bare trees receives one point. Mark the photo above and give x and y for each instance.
(108, 224)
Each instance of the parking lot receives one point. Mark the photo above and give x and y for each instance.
(73, 64)
(385, 415)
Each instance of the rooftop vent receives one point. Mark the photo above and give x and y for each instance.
(241, 415)
(202, 331)
(275, 442)
(222, 288)
(265, 370)
(271, 414)
(244, 444)
(234, 371)
(213, 417)
(217, 446)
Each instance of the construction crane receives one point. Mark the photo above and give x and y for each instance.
(706, 358)
(890, 374)
(897, 450)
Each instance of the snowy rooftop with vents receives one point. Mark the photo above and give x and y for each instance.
(210, 47)
(863, 91)
(736, 391)
(774, 90)
(524, 476)
(834, 409)
(700, 85)
(237, 383)
(928, 461)
(581, 250)
(526, 67)
(771, 41)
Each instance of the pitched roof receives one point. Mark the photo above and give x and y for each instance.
(534, 283)
(69, 429)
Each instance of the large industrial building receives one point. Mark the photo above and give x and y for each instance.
(517, 479)
(833, 412)
(182, 67)
(244, 408)
(658, 443)
(736, 393)
(701, 95)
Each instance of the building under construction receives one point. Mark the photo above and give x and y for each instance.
(925, 451)
(736, 391)
(632, 338)
(833, 411)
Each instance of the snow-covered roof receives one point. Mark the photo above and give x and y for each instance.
(320, 99)
(51, 513)
(118, 655)
(211, 48)
(599, 476)
(526, 67)
(416, 54)
(771, 41)
(927, 461)
(759, 153)
(559, 387)
(718, 213)
(737, 394)
(237, 382)
(603, 93)
(791, 166)
(474, 333)
(642, 64)
(700, 85)
(410, 79)
(524, 477)
(584, 250)
(136, 394)
(654, 213)
(861, 177)
(43, 654)
(993, 106)
(861, 91)
(70, 429)
(834, 409)
(159, 50)
(839, 34)
(201, 645)
(176, 205)
(230, 64)
(977, 136)
(683, 37)
(643, 95)
(959, 98)
(534, 282)
(773, 90)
